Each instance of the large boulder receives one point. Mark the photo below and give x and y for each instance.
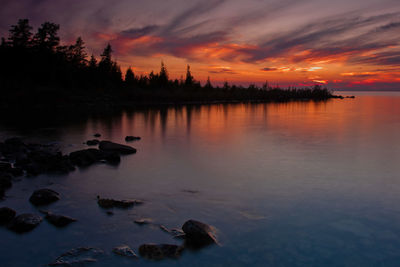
(198, 234)
(114, 147)
(25, 223)
(44, 197)
(78, 257)
(58, 220)
(125, 251)
(6, 215)
(159, 252)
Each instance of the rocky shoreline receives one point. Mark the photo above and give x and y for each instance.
(19, 159)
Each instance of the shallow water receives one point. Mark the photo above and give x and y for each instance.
(292, 184)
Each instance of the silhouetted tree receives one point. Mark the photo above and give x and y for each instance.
(163, 76)
(47, 36)
(189, 78)
(20, 34)
(129, 77)
(77, 53)
(92, 62)
(208, 83)
(106, 60)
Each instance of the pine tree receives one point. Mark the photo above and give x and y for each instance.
(77, 52)
(130, 77)
(208, 83)
(163, 77)
(20, 34)
(47, 36)
(189, 78)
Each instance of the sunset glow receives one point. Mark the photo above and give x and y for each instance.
(343, 44)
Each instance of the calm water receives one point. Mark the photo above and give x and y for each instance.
(296, 184)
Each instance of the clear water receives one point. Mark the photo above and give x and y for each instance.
(295, 184)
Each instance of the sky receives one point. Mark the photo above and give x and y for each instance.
(343, 44)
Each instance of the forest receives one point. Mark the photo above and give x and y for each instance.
(38, 70)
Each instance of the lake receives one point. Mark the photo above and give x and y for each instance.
(284, 184)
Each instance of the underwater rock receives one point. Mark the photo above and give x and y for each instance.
(125, 251)
(109, 203)
(130, 138)
(6, 215)
(78, 257)
(159, 252)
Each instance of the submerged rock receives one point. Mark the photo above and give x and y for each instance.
(175, 232)
(198, 234)
(25, 222)
(114, 147)
(143, 221)
(159, 252)
(130, 138)
(125, 251)
(6, 215)
(109, 203)
(97, 135)
(58, 220)
(93, 142)
(78, 257)
(44, 197)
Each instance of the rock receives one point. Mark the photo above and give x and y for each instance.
(110, 213)
(114, 147)
(44, 197)
(5, 180)
(176, 233)
(6, 215)
(108, 203)
(58, 220)
(16, 172)
(43, 159)
(87, 157)
(25, 222)
(97, 135)
(93, 142)
(130, 138)
(159, 252)
(78, 257)
(198, 234)
(5, 167)
(125, 251)
(143, 221)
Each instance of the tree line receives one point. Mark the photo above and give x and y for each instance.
(37, 67)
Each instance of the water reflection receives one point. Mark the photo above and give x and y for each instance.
(288, 184)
